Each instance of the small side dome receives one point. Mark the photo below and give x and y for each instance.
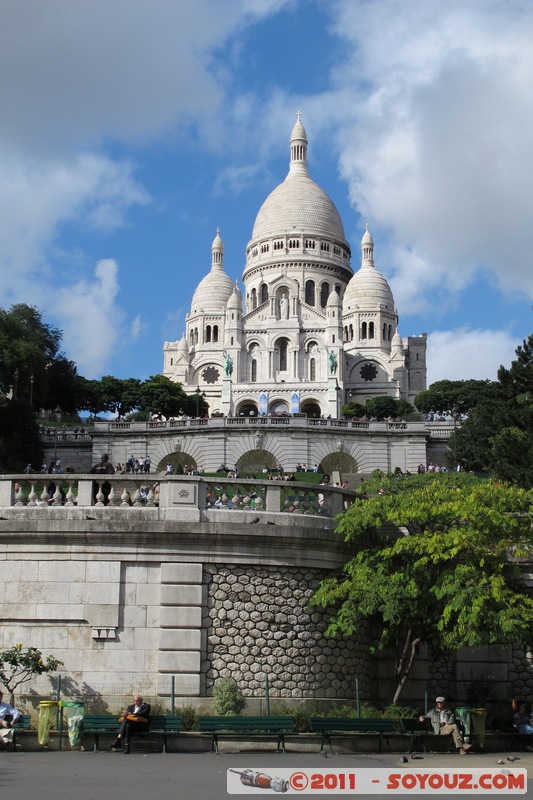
(397, 343)
(183, 345)
(213, 291)
(235, 300)
(368, 289)
(334, 299)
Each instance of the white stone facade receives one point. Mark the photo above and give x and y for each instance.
(309, 334)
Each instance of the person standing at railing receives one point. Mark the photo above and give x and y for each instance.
(104, 467)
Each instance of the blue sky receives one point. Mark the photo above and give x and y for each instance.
(132, 129)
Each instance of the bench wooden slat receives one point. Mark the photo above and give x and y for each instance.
(249, 726)
(353, 726)
(159, 725)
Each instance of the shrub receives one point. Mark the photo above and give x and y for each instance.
(189, 717)
(228, 699)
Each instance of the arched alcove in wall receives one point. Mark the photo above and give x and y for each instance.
(179, 462)
(311, 408)
(255, 461)
(248, 408)
(338, 462)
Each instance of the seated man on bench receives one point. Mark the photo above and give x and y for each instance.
(443, 722)
(134, 719)
(8, 717)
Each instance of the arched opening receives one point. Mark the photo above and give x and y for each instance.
(310, 293)
(338, 462)
(215, 333)
(363, 331)
(208, 333)
(312, 369)
(248, 408)
(311, 409)
(279, 408)
(325, 290)
(370, 330)
(253, 371)
(282, 347)
(253, 297)
(255, 461)
(181, 463)
(264, 293)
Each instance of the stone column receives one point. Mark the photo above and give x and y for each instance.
(181, 620)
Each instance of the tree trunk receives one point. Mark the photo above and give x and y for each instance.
(405, 663)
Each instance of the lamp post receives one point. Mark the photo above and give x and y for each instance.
(16, 376)
(32, 381)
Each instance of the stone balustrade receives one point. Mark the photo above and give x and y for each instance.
(155, 491)
(295, 421)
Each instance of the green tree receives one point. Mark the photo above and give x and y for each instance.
(163, 397)
(383, 407)
(497, 435)
(454, 398)
(120, 395)
(436, 561)
(20, 442)
(353, 409)
(19, 664)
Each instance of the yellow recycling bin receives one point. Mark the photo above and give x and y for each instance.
(479, 716)
(47, 711)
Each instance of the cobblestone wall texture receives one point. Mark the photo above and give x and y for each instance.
(521, 672)
(258, 623)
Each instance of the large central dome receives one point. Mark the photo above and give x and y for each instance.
(298, 204)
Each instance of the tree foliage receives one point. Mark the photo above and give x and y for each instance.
(378, 408)
(436, 562)
(454, 398)
(228, 700)
(165, 398)
(497, 436)
(19, 664)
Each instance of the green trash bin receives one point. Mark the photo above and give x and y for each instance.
(74, 712)
(47, 712)
(479, 717)
(464, 716)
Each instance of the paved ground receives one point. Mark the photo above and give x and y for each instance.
(105, 775)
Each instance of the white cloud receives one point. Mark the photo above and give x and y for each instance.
(436, 139)
(91, 319)
(465, 353)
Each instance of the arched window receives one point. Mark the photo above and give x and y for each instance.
(254, 298)
(264, 293)
(208, 333)
(215, 333)
(312, 370)
(385, 331)
(390, 332)
(363, 330)
(283, 349)
(351, 333)
(310, 293)
(172, 361)
(345, 333)
(254, 371)
(370, 330)
(324, 294)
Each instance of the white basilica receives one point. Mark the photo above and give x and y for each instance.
(311, 335)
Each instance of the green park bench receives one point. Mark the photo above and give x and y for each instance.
(21, 724)
(106, 724)
(235, 726)
(328, 727)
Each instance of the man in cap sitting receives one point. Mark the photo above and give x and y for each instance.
(443, 722)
